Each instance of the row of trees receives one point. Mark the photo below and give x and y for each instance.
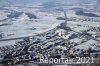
(83, 19)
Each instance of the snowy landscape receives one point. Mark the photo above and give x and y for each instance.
(50, 28)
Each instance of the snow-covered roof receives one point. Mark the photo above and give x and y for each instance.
(61, 47)
(86, 45)
(89, 42)
(76, 40)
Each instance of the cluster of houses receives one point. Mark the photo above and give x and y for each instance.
(54, 44)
